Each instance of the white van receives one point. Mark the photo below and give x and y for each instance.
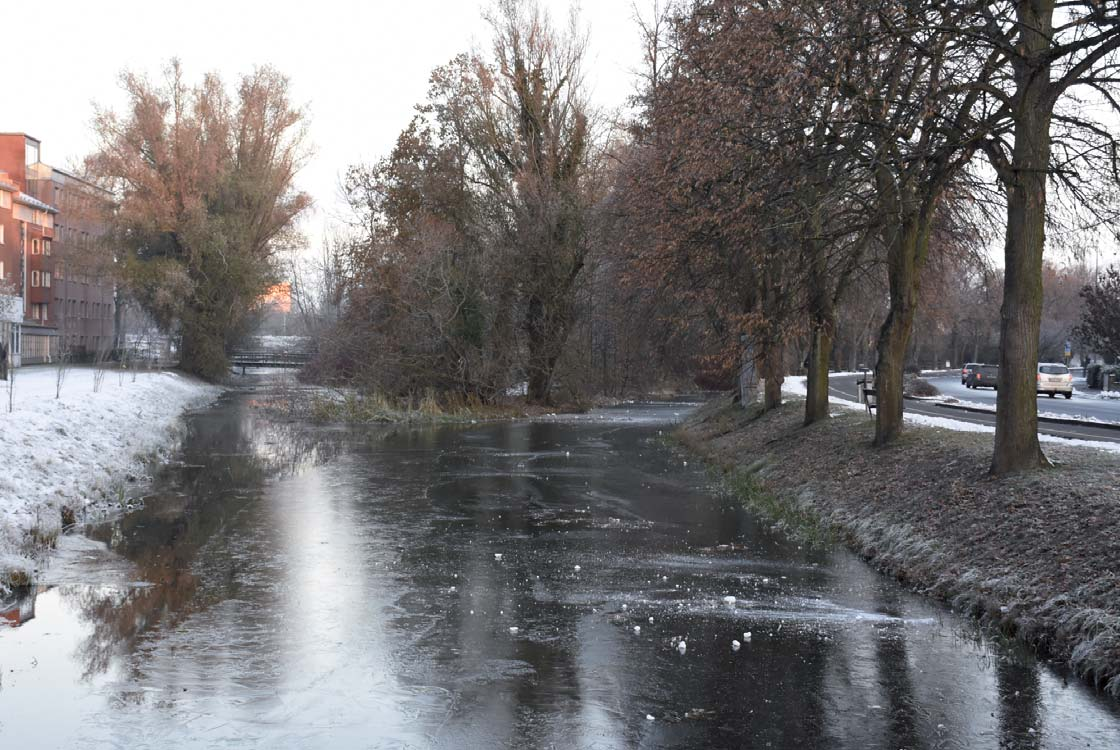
(1053, 379)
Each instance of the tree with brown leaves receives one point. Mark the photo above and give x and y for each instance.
(205, 184)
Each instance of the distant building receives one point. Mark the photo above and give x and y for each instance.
(11, 273)
(53, 258)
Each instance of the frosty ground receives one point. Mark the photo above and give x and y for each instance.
(1035, 555)
(79, 449)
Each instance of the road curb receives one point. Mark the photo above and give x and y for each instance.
(1051, 420)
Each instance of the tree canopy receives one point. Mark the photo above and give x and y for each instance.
(205, 182)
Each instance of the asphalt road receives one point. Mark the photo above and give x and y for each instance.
(1079, 406)
(950, 385)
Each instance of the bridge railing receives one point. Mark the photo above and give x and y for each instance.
(264, 358)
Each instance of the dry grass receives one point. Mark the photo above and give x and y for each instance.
(353, 407)
(1035, 555)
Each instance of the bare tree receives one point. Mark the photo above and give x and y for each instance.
(531, 131)
(1051, 48)
(62, 367)
(318, 285)
(101, 363)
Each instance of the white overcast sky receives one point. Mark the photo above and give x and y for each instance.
(359, 67)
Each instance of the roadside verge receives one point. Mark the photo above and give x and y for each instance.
(1041, 417)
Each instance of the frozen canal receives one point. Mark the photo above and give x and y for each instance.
(499, 586)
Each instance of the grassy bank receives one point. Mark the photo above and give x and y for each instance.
(1036, 556)
(353, 407)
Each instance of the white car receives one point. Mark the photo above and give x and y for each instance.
(1054, 378)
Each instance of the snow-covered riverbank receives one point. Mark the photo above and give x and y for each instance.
(77, 450)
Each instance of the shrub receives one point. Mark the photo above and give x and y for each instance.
(919, 387)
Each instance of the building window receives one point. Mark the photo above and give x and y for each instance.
(5, 199)
(58, 270)
(2, 276)
(46, 247)
(34, 247)
(35, 278)
(46, 279)
(2, 228)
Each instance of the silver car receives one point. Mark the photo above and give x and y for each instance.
(1054, 378)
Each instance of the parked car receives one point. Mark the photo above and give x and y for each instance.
(966, 370)
(1054, 378)
(984, 376)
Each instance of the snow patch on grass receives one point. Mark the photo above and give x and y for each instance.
(794, 385)
(1048, 414)
(1102, 395)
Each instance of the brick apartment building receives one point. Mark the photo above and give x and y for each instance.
(56, 294)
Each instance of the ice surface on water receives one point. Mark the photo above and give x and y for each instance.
(360, 603)
(80, 560)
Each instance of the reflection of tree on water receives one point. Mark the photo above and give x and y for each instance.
(121, 617)
(227, 456)
(894, 669)
(19, 607)
(1020, 710)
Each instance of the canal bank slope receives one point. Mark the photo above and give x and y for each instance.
(1037, 555)
(77, 451)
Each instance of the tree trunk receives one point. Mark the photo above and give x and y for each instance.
(202, 346)
(539, 390)
(1016, 443)
(821, 318)
(816, 384)
(771, 368)
(546, 330)
(888, 377)
(118, 318)
(204, 356)
(905, 259)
